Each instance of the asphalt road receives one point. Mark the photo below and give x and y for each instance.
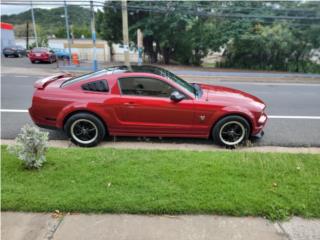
(284, 101)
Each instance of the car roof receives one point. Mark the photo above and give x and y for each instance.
(121, 70)
(10, 46)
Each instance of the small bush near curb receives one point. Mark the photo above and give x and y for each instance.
(31, 147)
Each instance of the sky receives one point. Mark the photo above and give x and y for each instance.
(13, 9)
(7, 9)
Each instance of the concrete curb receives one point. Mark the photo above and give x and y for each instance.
(180, 146)
(18, 225)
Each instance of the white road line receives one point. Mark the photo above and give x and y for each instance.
(269, 84)
(293, 117)
(14, 110)
(269, 116)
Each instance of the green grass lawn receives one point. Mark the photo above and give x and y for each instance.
(172, 182)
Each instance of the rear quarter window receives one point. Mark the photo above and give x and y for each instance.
(83, 77)
(96, 86)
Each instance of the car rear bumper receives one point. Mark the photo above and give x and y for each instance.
(42, 121)
(8, 52)
(39, 58)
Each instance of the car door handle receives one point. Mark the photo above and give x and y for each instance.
(130, 104)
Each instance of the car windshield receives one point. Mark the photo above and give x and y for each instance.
(58, 50)
(178, 80)
(38, 50)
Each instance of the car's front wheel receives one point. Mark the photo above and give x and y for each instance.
(231, 131)
(84, 129)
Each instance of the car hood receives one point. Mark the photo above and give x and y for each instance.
(230, 96)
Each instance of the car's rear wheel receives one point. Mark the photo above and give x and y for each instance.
(231, 131)
(84, 129)
(5, 55)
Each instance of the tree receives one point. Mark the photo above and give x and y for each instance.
(184, 32)
(109, 23)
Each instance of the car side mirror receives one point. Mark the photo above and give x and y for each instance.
(176, 96)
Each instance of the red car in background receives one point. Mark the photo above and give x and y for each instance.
(42, 55)
(144, 101)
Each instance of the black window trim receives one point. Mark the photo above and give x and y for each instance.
(122, 94)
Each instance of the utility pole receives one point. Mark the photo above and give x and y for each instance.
(140, 46)
(125, 32)
(27, 35)
(93, 31)
(34, 25)
(67, 28)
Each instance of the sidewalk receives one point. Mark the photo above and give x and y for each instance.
(41, 226)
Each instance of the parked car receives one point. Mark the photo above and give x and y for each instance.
(42, 54)
(144, 101)
(15, 50)
(61, 53)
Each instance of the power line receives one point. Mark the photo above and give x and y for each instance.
(204, 11)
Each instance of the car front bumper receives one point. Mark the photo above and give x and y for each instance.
(258, 128)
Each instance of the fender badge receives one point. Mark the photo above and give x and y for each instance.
(202, 117)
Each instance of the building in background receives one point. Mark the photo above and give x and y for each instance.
(7, 35)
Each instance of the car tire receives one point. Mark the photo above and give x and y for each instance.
(85, 130)
(5, 55)
(231, 131)
(33, 62)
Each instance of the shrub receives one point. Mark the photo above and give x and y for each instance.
(30, 147)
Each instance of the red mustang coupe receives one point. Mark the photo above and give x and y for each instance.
(42, 55)
(144, 101)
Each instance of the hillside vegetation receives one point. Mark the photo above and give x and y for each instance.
(52, 21)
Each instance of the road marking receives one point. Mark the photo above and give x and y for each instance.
(14, 110)
(269, 116)
(268, 84)
(293, 117)
(21, 76)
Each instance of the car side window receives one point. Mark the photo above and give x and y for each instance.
(143, 86)
(96, 86)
